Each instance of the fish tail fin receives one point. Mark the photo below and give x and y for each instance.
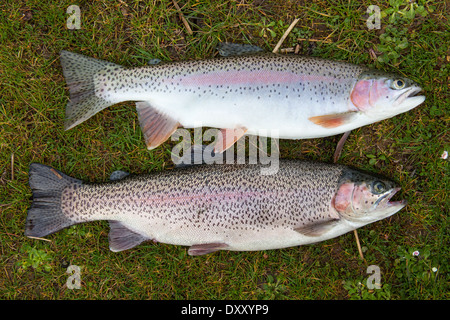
(45, 215)
(79, 72)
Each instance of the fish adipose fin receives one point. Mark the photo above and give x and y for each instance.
(45, 215)
(79, 72)
(227, 138)
(318, 228)
(121, 238)
(333, 120)
(201, 249)
(155, 126)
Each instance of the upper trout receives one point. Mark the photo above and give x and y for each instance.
(215, 207)
(282, 96)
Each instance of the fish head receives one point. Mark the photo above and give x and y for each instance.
(382, 95)
(365, 199)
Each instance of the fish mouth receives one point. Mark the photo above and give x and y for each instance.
(386, 199)
(409, 97)
(384, 207)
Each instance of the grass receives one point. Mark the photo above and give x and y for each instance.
(406, 148)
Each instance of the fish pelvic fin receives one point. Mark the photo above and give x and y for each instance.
(45, 215)
(155, 126)
(228, 137)
(80, 73)
(205, 248)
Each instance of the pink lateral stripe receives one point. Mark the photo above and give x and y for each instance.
(167, 198)
(247, 77)
(162, 199)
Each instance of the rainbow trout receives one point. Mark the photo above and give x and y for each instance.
(266, 94)
(215, 207)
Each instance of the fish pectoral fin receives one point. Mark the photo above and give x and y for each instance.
(317, 229)
(333, 120)
(155, 126)
(205, 248)
(122, 238)
(227, 138)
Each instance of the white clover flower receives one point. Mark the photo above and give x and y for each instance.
(415, 253)
(444, 155)
(434, 269)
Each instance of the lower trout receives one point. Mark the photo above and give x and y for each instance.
(215, 207)
(266, 94)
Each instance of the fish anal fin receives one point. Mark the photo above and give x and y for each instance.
(227, 138)
(155, 126)
(317, 229)
(333, 120)
(205, 248)
(122, 238)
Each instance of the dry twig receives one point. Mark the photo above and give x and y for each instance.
(186, 24)
(277, 47)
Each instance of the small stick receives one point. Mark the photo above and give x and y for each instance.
(286, 50)
(180, 14)
(37, 238)
(358, 244)
(315, 40)
(277, 47)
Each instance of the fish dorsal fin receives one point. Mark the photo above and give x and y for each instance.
(205, 248)
(122, 238)
(154, 61)
(317, 229)
(197, 154)
(333, 120)
(118, 175)
(227, 49)
(155, 126)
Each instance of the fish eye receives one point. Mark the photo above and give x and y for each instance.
(398, 84)
(379, 187)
